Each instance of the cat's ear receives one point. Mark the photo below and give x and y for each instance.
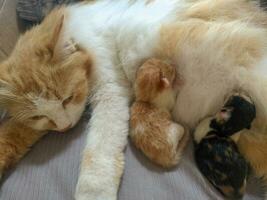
(49, 36)
(56, 33)
(165, 83)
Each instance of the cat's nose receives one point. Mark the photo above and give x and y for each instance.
(65, 129)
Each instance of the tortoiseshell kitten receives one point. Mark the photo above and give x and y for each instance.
(216, 153)
(152, 128)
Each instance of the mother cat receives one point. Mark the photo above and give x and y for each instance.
(94, 50)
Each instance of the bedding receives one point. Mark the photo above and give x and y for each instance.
(50, 172)
(35, 10)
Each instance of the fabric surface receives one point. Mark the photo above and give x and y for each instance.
(35, 10)
(9, 29)
(50, 172)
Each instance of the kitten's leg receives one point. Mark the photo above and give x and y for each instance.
(102, 162)
(15, 141)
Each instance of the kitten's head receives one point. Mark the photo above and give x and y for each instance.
(153, 78)
(44, 83)
(237, 114)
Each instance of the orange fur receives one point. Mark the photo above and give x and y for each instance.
(41, 65)
(199, 19)
(174, 38)
(253, 147)
(228, 10)
(15, 140)
(240, 49)
(152, 129)
(33, 85)
(24, 79)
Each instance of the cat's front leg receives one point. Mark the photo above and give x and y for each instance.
(103, 162)
(15, 140)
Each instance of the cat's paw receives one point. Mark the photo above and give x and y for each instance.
(92, 188)
(99, 177)
(89, 196)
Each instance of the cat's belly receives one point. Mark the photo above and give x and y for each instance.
(195, 102)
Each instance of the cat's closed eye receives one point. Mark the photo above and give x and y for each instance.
(38, 117)
(67, 101)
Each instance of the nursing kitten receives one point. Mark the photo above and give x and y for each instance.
(216, 152)
(44, 86)
(151, 127)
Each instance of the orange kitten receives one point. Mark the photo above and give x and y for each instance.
(152, 128)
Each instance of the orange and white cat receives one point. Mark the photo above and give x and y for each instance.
(220, 46)
(151, 127)
(34, 90)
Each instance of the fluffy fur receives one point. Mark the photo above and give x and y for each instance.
(216, 153)
(215, 54)
(151, 127)
(33, 88)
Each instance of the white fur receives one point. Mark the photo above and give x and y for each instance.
(121, 35)
(175, 134)
(119, 45)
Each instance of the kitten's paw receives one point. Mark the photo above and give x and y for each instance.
(175, 134)
(182, 144)
(178, 137)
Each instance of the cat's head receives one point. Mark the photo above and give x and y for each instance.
(44, 83)
(153, 78)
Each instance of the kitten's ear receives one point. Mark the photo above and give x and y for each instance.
(165, 83)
